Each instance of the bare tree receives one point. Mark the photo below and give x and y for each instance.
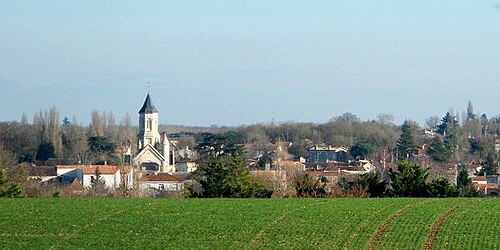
(96, 124)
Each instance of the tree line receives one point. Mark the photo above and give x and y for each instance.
(463, 138)
(47, 136)
(466, 139)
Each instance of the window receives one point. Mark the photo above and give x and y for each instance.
(149, 124)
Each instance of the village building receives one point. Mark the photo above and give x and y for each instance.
(152, 166)
(155, 152)
(186, 153)
(86, 174)
(162, 181)
(327, 154)
(45, 174)
(68, 173)
(109, 174)
(489, 184)
(186, 166)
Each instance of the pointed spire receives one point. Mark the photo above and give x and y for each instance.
(165, 139)
(148, 106)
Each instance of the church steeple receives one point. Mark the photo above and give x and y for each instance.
(148, 106)
(148, 125)
(153, 148)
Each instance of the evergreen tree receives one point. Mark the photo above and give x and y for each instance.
(221, 170)
(409, 180)
(45, 151)
(361, 150)
(225, 176)
(449, 121)
(463, 179)
(464, 183)
(406, 143)
(489, 166)
(7, 188)
(438, 151)
(450, 142)
(218, 144)
(448, 128)
(101, 148)
(442, 188)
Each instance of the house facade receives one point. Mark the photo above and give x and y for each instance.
(85, 174)
(327, 154)
(111, 175)
(186, 166)
(161, 181)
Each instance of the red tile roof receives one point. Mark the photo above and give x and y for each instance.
(161, 177)
(291, 164)
(68, 166)
(479, 178)
(103, 169)
(90, 169)
(76, 184)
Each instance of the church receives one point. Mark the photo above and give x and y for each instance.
(155, 153)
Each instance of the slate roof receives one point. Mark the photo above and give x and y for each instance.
(148, 106)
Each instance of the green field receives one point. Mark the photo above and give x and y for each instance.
(250, 223)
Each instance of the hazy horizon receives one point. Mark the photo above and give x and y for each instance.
(233, 63)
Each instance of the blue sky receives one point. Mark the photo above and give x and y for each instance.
(243, 62)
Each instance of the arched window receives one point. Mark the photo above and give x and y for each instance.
(149, 124)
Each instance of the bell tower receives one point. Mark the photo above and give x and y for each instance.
(148, 125)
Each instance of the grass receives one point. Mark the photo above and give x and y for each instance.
(250, 223)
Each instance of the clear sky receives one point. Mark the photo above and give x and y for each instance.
(243, 62)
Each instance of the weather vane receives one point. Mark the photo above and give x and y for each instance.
(149, 87)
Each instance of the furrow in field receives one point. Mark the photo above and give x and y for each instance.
(386, 223)
(429, 243)
(367, 221)
(472, 227)
(276, 221)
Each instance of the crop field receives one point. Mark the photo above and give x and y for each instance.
(250, 223)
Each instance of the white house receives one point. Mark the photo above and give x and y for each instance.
(110, 174)
(161, 181)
